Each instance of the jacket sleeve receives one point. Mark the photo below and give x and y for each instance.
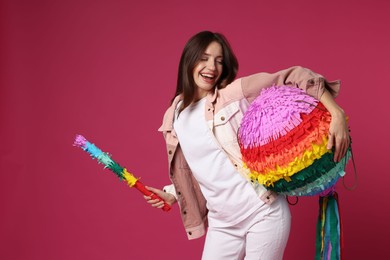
(314, 84)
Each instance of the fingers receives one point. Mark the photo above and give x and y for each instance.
(330, 141)
(342, 149)
(340, 145)
(338, 137)
(156, 203)
(152, 189)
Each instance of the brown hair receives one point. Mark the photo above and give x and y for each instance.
(191, 55)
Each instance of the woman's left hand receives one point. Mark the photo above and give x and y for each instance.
(338, 136)
(338, 130)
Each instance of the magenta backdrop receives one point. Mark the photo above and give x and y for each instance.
(107, 69)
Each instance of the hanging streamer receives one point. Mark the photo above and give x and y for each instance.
(329, 237)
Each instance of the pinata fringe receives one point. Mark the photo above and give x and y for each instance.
(321, 175)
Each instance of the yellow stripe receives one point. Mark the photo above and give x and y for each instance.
(299, 163)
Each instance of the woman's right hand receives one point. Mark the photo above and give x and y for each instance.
(168, 198)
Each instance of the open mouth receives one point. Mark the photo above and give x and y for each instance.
(208, 77)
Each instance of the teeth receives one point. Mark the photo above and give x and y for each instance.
(207, 76)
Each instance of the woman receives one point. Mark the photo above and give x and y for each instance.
(200, 130)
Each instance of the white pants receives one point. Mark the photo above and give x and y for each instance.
(263, 235)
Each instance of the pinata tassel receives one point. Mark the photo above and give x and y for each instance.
(329, 229)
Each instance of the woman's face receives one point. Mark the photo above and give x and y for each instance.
(208, 70)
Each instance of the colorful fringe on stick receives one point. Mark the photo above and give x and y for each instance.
(121, 172)
(283, 139)
(329, 242)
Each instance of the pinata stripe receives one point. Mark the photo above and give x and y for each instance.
(323, 167)
(319, 185)
(325, 182)
(308, 158)
(268, 116)
(305, 176)
(309, 121)
(290, 157)
(268, 157)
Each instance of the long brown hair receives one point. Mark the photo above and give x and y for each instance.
(192, 53)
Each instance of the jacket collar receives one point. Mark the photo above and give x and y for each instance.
(211, 97)
(169, 116)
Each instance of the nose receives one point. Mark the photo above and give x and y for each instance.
(211, 64)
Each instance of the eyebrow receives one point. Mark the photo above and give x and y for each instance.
(207, 54)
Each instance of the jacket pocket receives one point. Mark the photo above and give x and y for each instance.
(226, 124)
(226, 114)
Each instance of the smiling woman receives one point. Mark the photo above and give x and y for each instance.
(208, 181)
(205, 49)
(208, 70)
(108, 69)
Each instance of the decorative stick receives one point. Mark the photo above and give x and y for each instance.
(121, 172)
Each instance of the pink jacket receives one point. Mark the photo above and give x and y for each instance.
(223, 111)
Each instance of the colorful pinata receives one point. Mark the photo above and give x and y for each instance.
(283, 138)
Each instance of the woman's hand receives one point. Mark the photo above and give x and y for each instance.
(338, 136)
(338, 130)
(168, 198)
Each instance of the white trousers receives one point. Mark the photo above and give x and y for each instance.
(263, 235)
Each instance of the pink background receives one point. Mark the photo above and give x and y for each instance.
(107, 70)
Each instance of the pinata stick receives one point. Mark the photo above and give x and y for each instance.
(121, 172)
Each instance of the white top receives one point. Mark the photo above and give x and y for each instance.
(230, 198)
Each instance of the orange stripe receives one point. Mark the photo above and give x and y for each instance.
(287, 148)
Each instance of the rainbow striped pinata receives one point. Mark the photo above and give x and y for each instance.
(283, 138)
